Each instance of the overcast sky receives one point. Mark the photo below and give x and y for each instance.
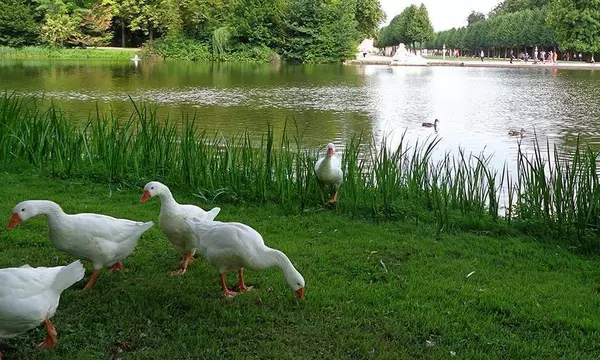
(444, 14)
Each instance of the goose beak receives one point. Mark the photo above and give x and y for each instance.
(145, 196)
(14, 221)
(300, 293)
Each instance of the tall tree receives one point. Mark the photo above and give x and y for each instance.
(420, 29)
(368, 16)
(576, 24)
(18, 26)
(474, 17)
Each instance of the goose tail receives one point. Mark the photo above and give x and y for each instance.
(68, 276)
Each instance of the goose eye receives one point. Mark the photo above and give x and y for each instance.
(151, 187)
(23, 209)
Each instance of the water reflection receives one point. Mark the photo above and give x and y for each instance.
(476, 106)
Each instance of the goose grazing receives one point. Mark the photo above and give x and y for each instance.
(235, 246)
(328, 170)
(433, 124)
(103, 240)
(172, 221)
(29, 296)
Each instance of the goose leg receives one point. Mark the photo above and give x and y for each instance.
(51, 335)
(184, 266)
(226, 291)
(117, 267)
(95, 274)
(241, 286)
(334, 199)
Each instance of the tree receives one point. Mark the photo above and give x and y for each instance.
(58, 29)
(368, 16)
(475, 17)
(576, 24)
(94, 26)
(420, 29)
(512, 6)
(18, 26)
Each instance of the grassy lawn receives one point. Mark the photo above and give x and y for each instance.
(387, 290)
(39, 52)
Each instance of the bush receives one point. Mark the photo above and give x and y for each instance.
(246, 53)
(17, 24)
(176, 48)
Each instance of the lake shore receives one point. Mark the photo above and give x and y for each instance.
(40, 53)
(389, 288)
(487, 63)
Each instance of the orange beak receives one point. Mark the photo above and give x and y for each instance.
(145, 196)
(14, 221)
(329, 152)
(300, 293)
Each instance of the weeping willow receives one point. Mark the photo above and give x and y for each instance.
(220, 40)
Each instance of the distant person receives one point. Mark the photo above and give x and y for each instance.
(512, 56)
(535, 56)
(580, 56)
(555, 59)
(543, 56)
(482, 55)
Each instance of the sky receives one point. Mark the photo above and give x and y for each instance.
(444, 14)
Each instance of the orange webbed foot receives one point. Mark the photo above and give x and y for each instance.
(117, 267)
(229, 293)
(51, 336)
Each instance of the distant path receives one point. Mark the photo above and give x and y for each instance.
(114, 48)
(495, 63)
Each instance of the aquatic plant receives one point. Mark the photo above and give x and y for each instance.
(550, 195)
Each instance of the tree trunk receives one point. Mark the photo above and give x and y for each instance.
(151, 32)
(123, 34)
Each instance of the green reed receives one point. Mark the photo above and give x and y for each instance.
(549, 194)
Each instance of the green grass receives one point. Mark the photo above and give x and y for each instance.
(38, 52)
(555, 198)
(380, 290)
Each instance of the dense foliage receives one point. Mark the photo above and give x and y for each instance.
(518, 25)
(298, 30)
(410, 27)
(576, 24)
(523, 29)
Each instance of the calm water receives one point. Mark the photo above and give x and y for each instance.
(476, 107)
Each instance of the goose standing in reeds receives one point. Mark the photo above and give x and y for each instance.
(328, 170)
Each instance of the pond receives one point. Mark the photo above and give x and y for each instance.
(476, 107)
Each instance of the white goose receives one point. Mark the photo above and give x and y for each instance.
(30, 296)
(172, 221)
(234, 246)
(328, 170)
(103, 240)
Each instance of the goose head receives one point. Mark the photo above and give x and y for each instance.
(23, 211)
(330, 149)
(153, 188)
(295, 281)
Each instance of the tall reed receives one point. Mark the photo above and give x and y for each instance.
(550, 193)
